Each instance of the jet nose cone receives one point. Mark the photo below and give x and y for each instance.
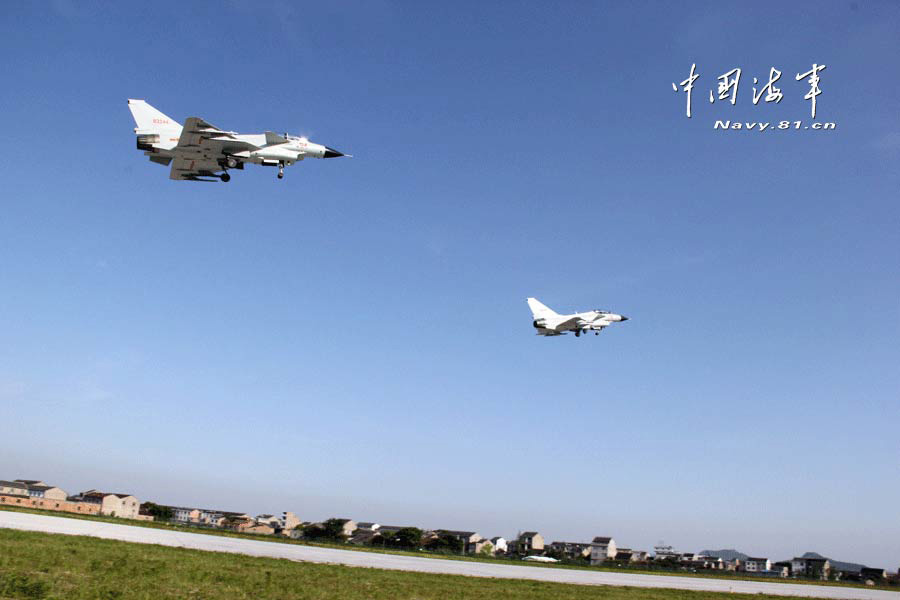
(624, 318)
(331, 153)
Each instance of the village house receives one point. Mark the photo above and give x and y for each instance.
(529, 542)
(289, 522)
(361, 537)
(702, 561)
(13, 488)
(624, 555)
(813, 567)
(665, 553)
(872, 574)
(204, 516)
(125, 506)
(31, 493)
(207, 516)
(283, 524)
(782, 568)
(38, 489)
(28, 482)
(500, 545)
(602, 549)
(570, 549)
(248, 525)
(756, 565)
(470, 539)
(349, 527)
(389, 530)
(733, 564)
(218, 518)
(183, 514)
(68, 505)
(270, 520)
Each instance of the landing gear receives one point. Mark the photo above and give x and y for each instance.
(596, 333)
(225, 177)
(281, 170)
(577, 333)
(231, 162)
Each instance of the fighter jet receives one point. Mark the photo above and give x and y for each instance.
(199, 151)
(547, 322)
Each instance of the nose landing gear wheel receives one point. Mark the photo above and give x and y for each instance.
(281, 171)
(225, 177)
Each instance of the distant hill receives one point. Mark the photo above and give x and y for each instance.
(836, 564)
(729, 554)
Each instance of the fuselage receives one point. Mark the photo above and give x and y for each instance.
(199, 151)
(549, 323)
(293, 150)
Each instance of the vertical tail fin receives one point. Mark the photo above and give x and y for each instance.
(149, 119)
(539, 310)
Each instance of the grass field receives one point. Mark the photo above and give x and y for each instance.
(41, 565)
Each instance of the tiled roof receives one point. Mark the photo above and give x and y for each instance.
(393, 527)
(453, 532)
(15, 484)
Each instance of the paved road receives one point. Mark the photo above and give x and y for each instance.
(146, 535)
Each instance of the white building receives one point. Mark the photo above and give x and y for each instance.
(125, 506)
(39, 489)
(288, 522)
(602, 549)
(757, 565)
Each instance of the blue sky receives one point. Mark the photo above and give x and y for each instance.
(354, 340)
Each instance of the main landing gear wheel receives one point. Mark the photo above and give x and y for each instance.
(281, 171)
(577, 333)
(225, 177)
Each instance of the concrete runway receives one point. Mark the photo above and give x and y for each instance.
(146, 535)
